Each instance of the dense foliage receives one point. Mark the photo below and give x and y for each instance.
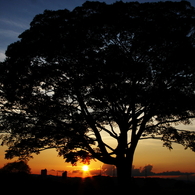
(16, 167)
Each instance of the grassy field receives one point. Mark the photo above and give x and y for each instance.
(31, 184)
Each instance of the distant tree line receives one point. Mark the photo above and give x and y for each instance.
(16, 167)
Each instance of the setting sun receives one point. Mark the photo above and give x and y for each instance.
(85, 168)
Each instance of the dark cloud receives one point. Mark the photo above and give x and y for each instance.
(174, 173)
(145, 171)
(108, 170)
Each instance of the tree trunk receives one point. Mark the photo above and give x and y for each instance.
(124, 170)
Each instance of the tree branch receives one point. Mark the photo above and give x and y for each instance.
(92, 123)
(112, 129)
(170, 121)
(114, 135)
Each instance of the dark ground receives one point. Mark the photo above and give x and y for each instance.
(29, 184)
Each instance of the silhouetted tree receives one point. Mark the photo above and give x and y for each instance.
(16, 167)
(126, 70)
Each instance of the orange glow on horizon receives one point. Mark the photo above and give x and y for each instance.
(148, 152)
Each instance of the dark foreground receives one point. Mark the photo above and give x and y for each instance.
(29, 184)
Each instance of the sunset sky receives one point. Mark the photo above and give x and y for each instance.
(148, 152)
(15, 17)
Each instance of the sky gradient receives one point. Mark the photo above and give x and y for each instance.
(15, 17)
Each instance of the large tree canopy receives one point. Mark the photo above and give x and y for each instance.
(126, 70)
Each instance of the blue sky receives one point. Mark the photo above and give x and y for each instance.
(16, 15)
